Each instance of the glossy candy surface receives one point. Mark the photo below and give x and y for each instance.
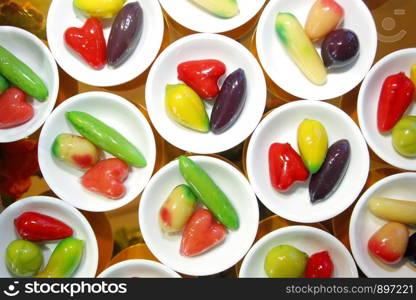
(36, 227)
(4, 84)
(76, 151)
(389, 243)
(324, 17)
(413, 74)
(23, 258)
(21, 75)
(89, 43)
(300, 48)
(404, 136)
(319, 265)
(312, 143)
(285, 166)
(394, 210)
(64, 260)
(14, 109)
(125, 34)
(221, 8)
(106, 178)
(106, 138)
(230, 102)
(285, 261)
(201, 233)
(185, 107)
(411, 249)
(340, 48)
(177, 209)
(206, 190)
(100, 8)
(202, 76)
(325, 182)
(395, 97)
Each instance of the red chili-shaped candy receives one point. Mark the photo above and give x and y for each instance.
(319, 265)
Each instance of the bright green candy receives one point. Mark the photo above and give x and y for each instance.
(404, 136)
(64, 260)
(106, 138)
(221, 8)
(313, 144)
(208, 192)
(23, 258)
(285, 261)
(4, 84)
(18, 73)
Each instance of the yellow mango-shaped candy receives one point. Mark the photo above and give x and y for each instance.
(100, 8)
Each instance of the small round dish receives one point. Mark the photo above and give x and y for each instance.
(205, 46)
(138, 268)
(364, 224)
(203, 21)
(33, 52)
(283, 71)
(368, 98)
(119, 114)
(60, 210)
(144, 54)
(307, 239)
(166, 247)
(280, 126)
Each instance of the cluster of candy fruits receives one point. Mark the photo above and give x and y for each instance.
(183, 101)
(103, 177)
(89, 41)
(327, 165)
(15, 109)
(24, 257)
(392, 242)
(180, 211)
(339, 47)
(395, 99)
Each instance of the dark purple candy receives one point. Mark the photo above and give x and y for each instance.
(230, 102)
(411, 249)
(340, 48)
(327, 179)
(125, 34)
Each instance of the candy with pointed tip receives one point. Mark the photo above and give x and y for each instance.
(340, 48)
(23, 258)
(300, 48)
(323, 17)
(394, 210)
(99, 8)
(389, 243)
(185, 107)
(285, 261)
(177, 209)
(319, 265)
(221, 8)
(312, 143)
(404, 136)
(14, 108)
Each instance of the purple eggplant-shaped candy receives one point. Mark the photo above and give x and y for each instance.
(340, 48)
(125, 34)
(411, 249)
(230, 102)
(326, 180)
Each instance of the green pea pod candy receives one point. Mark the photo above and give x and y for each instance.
(4, 84)
(64, 260)
(18, 73)
(106, 138)
(208, 192)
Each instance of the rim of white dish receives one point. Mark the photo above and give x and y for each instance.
(360, 111)
(53, 93)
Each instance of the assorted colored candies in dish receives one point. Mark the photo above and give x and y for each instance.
(24, 257)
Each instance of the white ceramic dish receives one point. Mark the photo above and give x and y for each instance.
(140, 268)
(205, 46)
(194, 18)
(381, 144)
(116, 112)
(283, 71)
(280, 126)
(307, 239)
(166, 247)
(364, 224)
(60, 210)
(33, 52)
(139, 61)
